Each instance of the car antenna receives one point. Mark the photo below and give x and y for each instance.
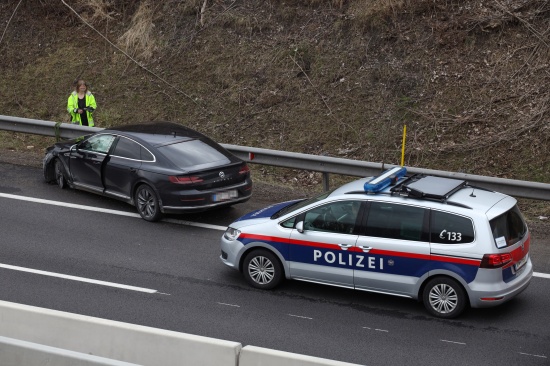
(472, 194)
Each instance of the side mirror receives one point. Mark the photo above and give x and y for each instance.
(74, 148)
(300, 227)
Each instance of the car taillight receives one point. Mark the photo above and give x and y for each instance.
(185, 179)
(495, 260)
(244, 169)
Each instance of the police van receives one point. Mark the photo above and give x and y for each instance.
(433, 239)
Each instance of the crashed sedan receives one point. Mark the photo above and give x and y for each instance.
(160, 167)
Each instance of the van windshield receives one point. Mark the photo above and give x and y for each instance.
(508, 228)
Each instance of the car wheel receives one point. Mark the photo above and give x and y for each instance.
(59, 176)
(262, 269)
(147, 203)
(443, 297)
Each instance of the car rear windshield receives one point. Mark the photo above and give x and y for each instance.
(191, 153)
(508, 228)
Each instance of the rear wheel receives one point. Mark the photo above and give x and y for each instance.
(147, 203)
(262, 269)
(443, 297)
(59, 175)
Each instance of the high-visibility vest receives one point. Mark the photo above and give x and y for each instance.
(72, 107)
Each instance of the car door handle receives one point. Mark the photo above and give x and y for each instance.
(133, 170)
(345, 246)
(97, 162)
(365, 248)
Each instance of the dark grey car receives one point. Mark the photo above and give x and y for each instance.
(159, 167)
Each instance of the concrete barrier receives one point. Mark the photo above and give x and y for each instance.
(256, 356)
(14, 352)
(113, 340)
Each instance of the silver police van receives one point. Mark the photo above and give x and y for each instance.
(437, 240)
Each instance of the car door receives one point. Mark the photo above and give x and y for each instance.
(395, 250)
(322, 244)
(122, 167)
(86, 161)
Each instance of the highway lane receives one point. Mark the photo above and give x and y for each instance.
(195, 293)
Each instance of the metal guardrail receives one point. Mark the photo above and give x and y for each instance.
(324, 164)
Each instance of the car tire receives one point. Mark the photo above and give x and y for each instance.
(444, 297)
(59, 174)
(262, 269)
(147, 203)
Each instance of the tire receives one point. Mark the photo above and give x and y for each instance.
(444, 297)
(147, 203)
(262, 269)
(59, 174)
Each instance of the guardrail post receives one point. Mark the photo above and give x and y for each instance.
(325, 181)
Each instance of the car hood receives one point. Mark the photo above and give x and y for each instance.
(265, 212)
(65, 145)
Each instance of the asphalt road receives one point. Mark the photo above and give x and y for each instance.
(168, 275)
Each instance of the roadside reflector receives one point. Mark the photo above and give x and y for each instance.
(250, 156)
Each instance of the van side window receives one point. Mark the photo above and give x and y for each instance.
(386, 220)
(446, 228)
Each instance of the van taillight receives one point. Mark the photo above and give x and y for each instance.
(495, 260)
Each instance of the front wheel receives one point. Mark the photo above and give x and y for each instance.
(443, 297)
(59, 176)
(147, 203)
(262, 269)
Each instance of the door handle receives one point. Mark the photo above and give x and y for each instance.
(133, 170)
(365, 248)
(345, 246)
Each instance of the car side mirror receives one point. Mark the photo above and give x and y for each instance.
(73, 148)
(300, 227)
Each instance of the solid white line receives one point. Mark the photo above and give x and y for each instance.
(382, 330)
(302, 317)
(71, 205)
(543, 275)
(81, 279)
(528, 354)
(223, 303)
(443, 340)
(105, 210)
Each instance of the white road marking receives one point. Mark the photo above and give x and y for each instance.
(81, 279)
(105, 210)
(223, 303)
(528, 354)
(302, 317)
(443, 340)
(543, 275)
(378, 330)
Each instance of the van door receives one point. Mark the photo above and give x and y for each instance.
(395, 249)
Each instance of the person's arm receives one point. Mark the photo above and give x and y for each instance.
(91, 103)
(71, 107)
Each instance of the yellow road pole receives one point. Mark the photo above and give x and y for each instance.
(403, 145)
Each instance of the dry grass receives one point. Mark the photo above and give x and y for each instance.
(468, 77)
(140, 40)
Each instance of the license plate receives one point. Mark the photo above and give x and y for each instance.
(224, 196)
(521, 263)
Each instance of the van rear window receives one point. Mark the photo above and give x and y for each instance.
(508, 228)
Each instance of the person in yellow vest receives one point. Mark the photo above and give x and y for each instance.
(81, 105)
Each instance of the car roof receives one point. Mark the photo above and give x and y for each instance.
(461, 195)
(159, 132)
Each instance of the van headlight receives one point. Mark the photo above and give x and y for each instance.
(231, 234)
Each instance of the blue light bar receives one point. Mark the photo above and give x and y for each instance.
(385, 179)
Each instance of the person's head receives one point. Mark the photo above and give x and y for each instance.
(81, 86)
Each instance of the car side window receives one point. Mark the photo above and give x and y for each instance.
(335, 217)
(393, 221)
(126, 148)
(146, 155)
(98, 143)
(447, 228)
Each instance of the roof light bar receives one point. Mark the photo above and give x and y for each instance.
(385, 179)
